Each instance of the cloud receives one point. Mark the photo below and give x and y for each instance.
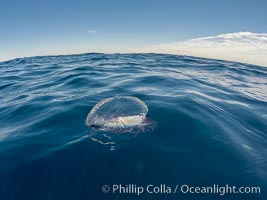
(93, 31)
(241, 47)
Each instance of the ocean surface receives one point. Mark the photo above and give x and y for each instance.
(211, 127)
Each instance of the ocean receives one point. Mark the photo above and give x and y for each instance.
(211, 128)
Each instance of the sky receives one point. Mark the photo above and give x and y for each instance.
(52, 27)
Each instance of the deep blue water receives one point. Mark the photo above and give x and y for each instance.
(211, 126)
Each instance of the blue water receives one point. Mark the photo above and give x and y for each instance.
(211, 126)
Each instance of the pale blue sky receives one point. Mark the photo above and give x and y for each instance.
(33, 27)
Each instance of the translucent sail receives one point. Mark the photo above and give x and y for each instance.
(120, 112)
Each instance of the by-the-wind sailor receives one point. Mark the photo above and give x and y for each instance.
(120, 114)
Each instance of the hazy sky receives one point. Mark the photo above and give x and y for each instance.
(34, 27)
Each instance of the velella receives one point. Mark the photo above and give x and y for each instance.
(120, 114)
